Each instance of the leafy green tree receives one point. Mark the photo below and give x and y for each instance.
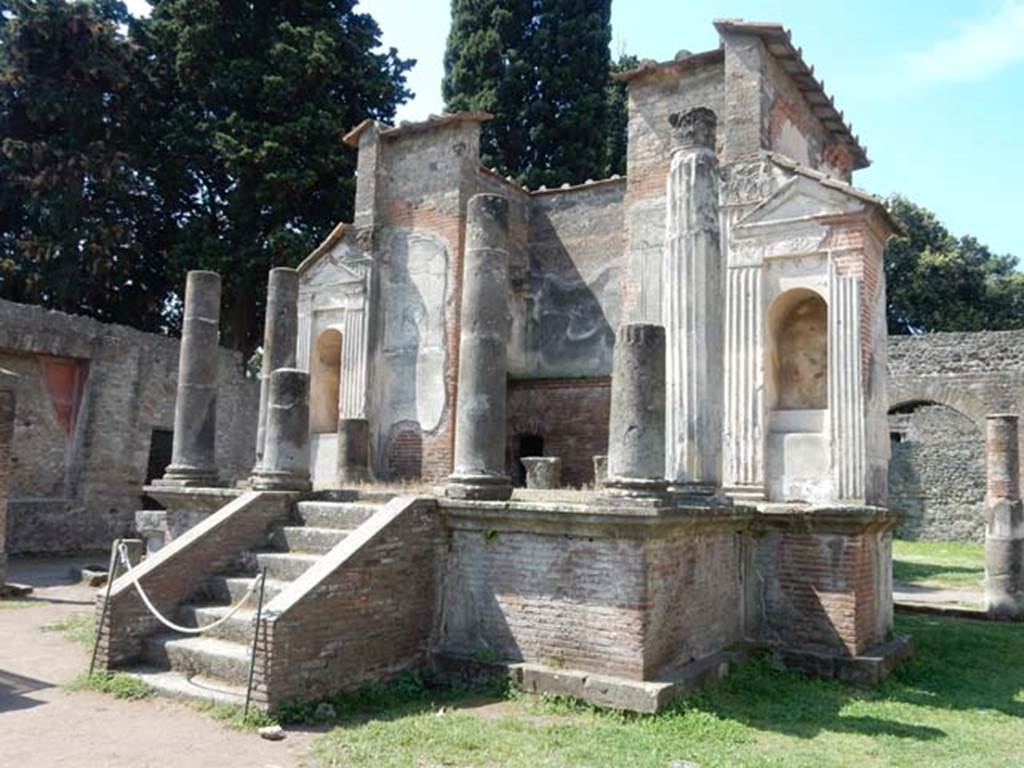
(77, 207)
(938, 282)
(254, 99)
(541, 68)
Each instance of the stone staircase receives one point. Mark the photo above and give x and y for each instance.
(215, 665)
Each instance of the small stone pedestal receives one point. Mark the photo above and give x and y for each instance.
(285, 465)
(353, 450)
(543, 473)
(193, 462)
(1004, 529)
(636, 430)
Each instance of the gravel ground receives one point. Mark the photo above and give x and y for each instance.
(43, 725)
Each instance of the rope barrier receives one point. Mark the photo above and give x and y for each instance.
(123, 552)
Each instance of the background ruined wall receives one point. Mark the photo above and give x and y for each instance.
(941, 387)
(89, 397)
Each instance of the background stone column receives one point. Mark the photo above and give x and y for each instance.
(636, 430)
(1004, 531)
(285, 464)
(486, 321)
(193, 462)
(692, 304)
(280, 332)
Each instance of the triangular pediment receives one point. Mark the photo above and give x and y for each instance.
(801, 199)
(339, 259)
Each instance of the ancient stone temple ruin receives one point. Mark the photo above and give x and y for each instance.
(713, 323)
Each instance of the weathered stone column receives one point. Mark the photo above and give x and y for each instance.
(7, 400)
(1004, 530)
(480, 413)
(285, 464)
(193, 462)
(280, 331)
(353, 450)
(692, 307)
(636, 429)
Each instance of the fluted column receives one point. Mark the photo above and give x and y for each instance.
(480, 412)
(636, 427)
(743, 419)
(692, 307)
(280, 331)
(1004, 529)
(845, 388)
(193, 461)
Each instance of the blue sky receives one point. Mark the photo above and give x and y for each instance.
(934, 89)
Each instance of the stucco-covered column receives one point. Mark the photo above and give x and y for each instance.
(285, 464)
(1004, 530)
(692, 307)
(486, 321)
(636, 429)
(280, 331)
(193, 462)
(7, 401)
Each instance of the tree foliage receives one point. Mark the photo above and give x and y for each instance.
(206, 136)
(79, 217)
(541, 67)
(939, 282)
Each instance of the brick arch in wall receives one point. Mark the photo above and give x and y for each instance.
(940, 393)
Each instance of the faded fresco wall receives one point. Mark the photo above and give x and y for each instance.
(92, 402)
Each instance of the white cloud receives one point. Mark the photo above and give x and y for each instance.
(981, 49)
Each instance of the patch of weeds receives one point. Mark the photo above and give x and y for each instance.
(487, 656)
(412, 691)
(231, 715)
(118, 685)
(490, 535)
(77, 627)
(16, 602)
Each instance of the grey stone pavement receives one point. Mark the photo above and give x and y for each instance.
(42, 724)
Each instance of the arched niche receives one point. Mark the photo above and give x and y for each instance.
(796, 394)
(325, 382)
(797, 377)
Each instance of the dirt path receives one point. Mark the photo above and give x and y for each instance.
(43, 725)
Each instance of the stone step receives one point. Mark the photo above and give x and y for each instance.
(307, 539)
(204, 656)
(238, 629)
(335, 514)
(231, 589)
(176, 685)
(285, 566)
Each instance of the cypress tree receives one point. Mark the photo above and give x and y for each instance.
(541, 67)
(487, 69)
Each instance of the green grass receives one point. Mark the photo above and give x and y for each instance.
(231, 715)
(945, 564)
(117, 685)
(79, 627)
(960, 701)
(17, 602)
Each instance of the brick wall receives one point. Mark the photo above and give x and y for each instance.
(369, 613)
(6, 433)
(570, 415)
(177, 571)
(89, 396)
(943, 385)
(819, 592)
(599, 591)
(937, 474)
